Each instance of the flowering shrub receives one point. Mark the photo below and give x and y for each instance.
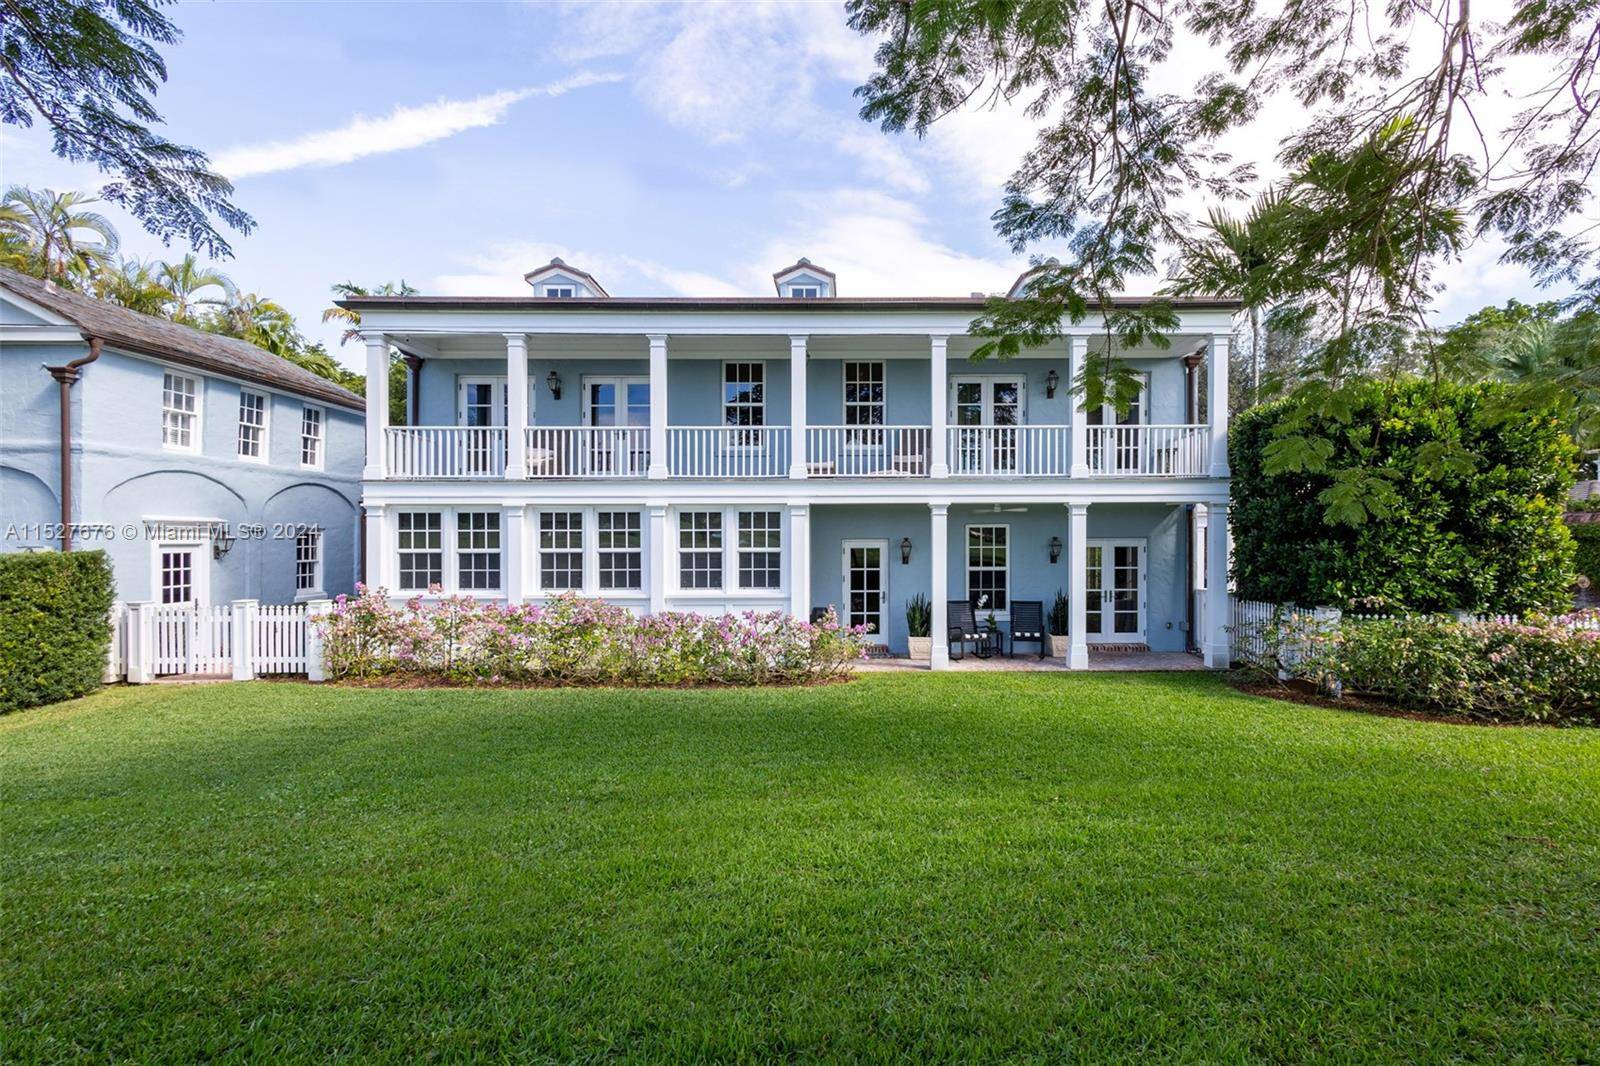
(569, 640)
(1494, 669)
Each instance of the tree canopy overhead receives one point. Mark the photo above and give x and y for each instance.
(88, 70)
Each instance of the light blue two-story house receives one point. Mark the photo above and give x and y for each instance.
(797, 451)
(209, 469)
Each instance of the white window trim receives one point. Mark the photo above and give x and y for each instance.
(987, 380)
(882, 635)
(561, 290)
(446, 549)
(453, 554)
(980, 613)
(722, 404)
(730, 589)
(317, 584)
(322, 436)
(805, 291)
(498, 402)
(844, 402)
(590, 588)
(197, 436)
(266, 427)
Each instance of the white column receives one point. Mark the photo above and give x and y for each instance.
(800, 561)
(939, 586)
(141, 645)
(1078, 349)
(797, 405)
(659, 553)
(938, 391)
(377, 547)
(658, 406)
(516, 407)
(1215, 645)
(377, 403)
(1217, 404)
(316, 610)
(241, 637)
(1197, 550)
(1078, 585)
(514, 551)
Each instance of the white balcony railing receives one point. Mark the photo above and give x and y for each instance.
(588, 451)
(728, 451)
(1149, 451)
(1010, 451)
(867, 451)
(446, 451)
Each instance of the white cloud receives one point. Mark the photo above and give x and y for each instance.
(405, 127)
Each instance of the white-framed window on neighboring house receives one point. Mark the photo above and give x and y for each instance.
(565, 292)
(864, 399)
(252, 425)
(419, 536)
(760, 549)
(308, 562)
(620, 539)
(478, 551)
(560, 551)
(180, 411)
(744, 398)
(311, 437)
(700, 549)
(805, 292)
(989, 568)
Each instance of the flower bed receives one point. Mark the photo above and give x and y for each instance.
(573, 641)
(1495, 670)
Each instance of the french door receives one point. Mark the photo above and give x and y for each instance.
(986, 412)
(1114, 607)
(1118, 451)
(866, 585)
(481, 404)
(621, 404)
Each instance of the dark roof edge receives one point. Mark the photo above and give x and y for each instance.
(732, 303)
(328, 392)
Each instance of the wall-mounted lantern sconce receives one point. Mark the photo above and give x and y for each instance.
(1051, 380)
(221, 542)
(554, 381)
(1055, 550)
(905, 550)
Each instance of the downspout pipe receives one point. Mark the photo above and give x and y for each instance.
(414, 389)
(1191, 411)
(67, 376)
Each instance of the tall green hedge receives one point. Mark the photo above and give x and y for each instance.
(54, 626)
(1587, 561)
(1487, 538)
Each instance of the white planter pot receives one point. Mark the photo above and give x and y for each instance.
(1059, 646)
(921, 648)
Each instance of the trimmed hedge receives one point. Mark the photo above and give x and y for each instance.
(1488, 538)
(54, 626)
(1587, 559)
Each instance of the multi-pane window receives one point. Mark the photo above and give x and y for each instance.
(179, 411)
(308, 561)
(478, 550)
(700, 549)
(620, 549)
(760, 550)
(562, 291)
(744, 400)
(805, 292)
(863, 399)
(560, 550)
(177, 575)
(311, 436)
(988, 567)
(252, 425)
(420, 537)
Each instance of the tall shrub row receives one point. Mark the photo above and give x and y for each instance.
(568, 640)
(54, 625)
(1482, 534)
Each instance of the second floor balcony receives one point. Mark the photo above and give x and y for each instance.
(854, 451)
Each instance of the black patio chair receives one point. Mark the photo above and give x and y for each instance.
(963, 628)
(1027, 624)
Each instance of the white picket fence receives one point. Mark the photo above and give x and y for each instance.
(242, 640)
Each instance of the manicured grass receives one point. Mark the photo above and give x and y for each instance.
(957, 866)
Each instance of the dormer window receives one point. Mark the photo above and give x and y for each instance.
(557, 280)
(805, 292)
(564, 292)
(805, 280)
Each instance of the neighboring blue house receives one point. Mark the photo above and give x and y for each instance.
(209, 469)
(797, 451)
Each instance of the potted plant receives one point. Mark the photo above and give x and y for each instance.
(919, 624)
(1057, 624)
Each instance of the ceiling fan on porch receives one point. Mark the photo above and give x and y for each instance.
(997, 509)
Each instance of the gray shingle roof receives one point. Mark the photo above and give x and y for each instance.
(131, 331)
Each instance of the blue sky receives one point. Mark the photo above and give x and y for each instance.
(668, 149)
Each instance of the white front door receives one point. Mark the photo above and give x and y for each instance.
(620, 403)
(1114, 606)
(481, 404)
(866, 586)
(1117, 451)
(986, 412)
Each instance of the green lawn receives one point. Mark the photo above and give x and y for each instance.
(906, 866)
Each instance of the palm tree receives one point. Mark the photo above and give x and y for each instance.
(52, 224)
(134, 284)
(187, 277)
(352, 319)
(263, 322)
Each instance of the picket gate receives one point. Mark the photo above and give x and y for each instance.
(241, 640)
